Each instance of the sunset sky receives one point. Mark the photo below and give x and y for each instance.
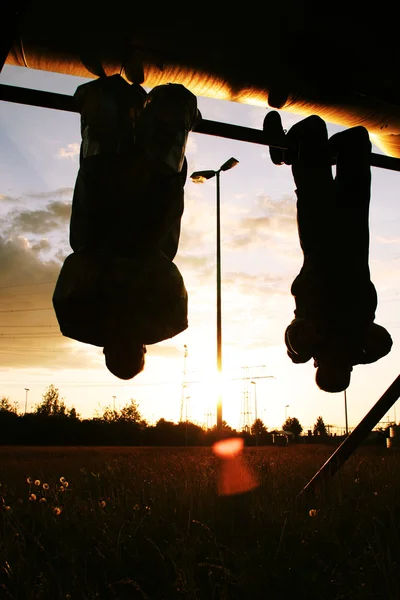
(260, 258)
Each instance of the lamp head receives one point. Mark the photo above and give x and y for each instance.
(202, 176)
(229, 164)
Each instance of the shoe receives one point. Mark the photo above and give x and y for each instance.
(377, 344)
(275, 137)
(299, 346)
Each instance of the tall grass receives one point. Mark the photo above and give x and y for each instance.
(147, 523)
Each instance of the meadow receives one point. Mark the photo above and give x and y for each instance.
(124, 523)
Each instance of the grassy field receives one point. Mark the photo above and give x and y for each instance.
(148, 523)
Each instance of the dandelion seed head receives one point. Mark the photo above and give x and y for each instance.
(62, 479)
(29, 480)
(37, 482)
(46, 486)
(7, 508)
(32, 497)
(62, 488)
(42, 500)
(313, 512)
(57, 510)
(102, 503)
(65, 484)
(136, 507)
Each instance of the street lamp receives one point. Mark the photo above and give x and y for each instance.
(345, 412)
(201, 177)
(26, 399)
(255, 408)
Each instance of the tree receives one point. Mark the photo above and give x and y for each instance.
(51, 405)
(110, 415)
(258, 428)
(225, 427)
(131, 414)
(293, 425)
(72, 414)
(6, 406)
(319, 427)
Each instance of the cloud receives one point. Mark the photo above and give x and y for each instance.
(248, 284)
(42, 245)
(65, 191)
(273, 218)
(71, 151)
(56, 214)
(7, 198)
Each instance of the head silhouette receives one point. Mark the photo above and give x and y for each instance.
(333, 376)
(124, 359)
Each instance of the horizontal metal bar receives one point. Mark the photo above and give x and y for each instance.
(20, 95)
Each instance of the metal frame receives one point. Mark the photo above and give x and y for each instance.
(20, 95)
(338, 458)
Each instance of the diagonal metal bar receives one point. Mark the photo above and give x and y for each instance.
(357, 437)
(55, 101)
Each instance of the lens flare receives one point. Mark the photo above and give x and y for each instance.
(235, 476)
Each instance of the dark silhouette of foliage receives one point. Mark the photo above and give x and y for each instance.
(320, 427)
(293, 426)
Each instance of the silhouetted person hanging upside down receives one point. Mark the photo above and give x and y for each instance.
(120, 289)
(335, 298)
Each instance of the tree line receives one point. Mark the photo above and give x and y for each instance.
(53, 423)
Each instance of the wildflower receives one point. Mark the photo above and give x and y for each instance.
(65, 484)
(37, 482)
(62, 479)
(313, 512)
(57, 510)
(29, 480)
(32, 497)
(46, 486)
(102, 504)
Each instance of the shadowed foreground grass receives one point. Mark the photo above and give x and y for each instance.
(147, 523)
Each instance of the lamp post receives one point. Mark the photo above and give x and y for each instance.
(26, 400)
(255, 408)
(345, 412)
(201, 177)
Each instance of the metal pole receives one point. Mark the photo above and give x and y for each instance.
(357, 436)
(26, 399)
(219, 319)
(345, 412)
(255, 410)
(64, 102)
